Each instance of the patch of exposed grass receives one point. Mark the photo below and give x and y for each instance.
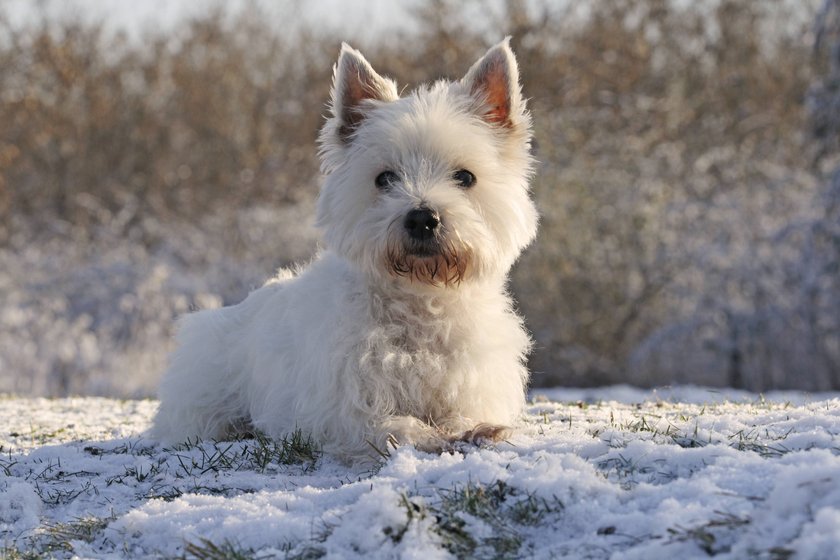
(504, 508)
(307, 553)
(152, 477)
(258, 453)
(7, 462)
(205, 549)
(80, 529)
(708, 536)
(129, 447)
(138, 473)
(54, 540)
(53, 496)
(751, 440)
(676, 429)
(294, 449)
(9, 553)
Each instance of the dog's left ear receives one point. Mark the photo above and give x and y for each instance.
(494, 81)
(354, 83)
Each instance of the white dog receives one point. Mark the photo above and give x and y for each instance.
(401, 331)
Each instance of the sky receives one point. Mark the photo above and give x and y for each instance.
(137, 16)
(349, 19)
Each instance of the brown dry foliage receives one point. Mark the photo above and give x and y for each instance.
(214, 117)
(645, 117)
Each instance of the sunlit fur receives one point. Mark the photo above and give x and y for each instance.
(383, 339)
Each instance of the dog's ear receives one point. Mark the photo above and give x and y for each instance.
(354, 83)
(494, 82)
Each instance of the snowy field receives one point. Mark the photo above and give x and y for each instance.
(610, 473)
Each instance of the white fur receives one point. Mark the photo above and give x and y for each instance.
(346, 350)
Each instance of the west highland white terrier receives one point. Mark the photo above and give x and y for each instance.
(402, 330)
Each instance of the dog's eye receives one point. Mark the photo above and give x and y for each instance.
(385, 179)
(464, 178)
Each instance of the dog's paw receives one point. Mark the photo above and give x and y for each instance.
(436, 445)
(407, 430)
(397, 431)
(484, 434)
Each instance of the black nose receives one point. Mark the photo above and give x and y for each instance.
(421, 223)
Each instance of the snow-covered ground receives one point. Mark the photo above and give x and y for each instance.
(617, 472)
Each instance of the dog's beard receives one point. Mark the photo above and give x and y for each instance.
(438, 262)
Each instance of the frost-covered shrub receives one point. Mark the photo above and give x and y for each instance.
(783, 330)
(688, 231)
(98, 317)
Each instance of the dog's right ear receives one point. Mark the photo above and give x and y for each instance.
(494, 81)
(355, 82)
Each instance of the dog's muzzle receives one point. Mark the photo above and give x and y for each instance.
(426, 252)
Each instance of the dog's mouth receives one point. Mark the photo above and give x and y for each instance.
(435, 262)
(423, 250)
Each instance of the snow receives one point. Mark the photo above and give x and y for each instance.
(589, 473)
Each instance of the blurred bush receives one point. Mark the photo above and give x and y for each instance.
(98, 128)
(689, 218)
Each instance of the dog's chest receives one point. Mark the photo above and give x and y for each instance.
(417, 346)
(417, 354)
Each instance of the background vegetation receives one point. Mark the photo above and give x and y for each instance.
(688, 183)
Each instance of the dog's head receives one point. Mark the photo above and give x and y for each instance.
(431, 189)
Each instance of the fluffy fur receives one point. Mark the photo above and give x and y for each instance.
(386, 338)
